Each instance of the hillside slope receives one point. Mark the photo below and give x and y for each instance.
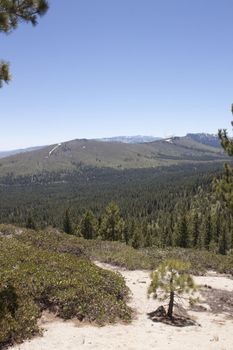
(5, 154)
(70, 156)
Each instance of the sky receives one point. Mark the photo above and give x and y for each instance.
(102, 68)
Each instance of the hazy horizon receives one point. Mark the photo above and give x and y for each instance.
(96, 138)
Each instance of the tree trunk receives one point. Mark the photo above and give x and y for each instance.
(171, 304)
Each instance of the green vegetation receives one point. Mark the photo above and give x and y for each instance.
(169, 206)
(52, 270)
(105, 251)
(88, 226)
(33, 279)
(43, 166)
(166, 207)
(224, 185)
(67, 225)
(11, 14)
(170, 281)
(168, 212)
(120, 254)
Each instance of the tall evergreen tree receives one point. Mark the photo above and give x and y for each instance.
(183, 234)
(111, 226)
(195, 230)
(88, 226)
(207, 231)
(30, 223)
(223, 241)
(67, 225)
(146, 234)
(216, 227)
(126, 233)
(224, 186)
(137, 237)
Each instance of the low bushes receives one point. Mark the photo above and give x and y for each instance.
(52, 270)
(200, 260)
(125, 256)
(105, 251)
(32, 280)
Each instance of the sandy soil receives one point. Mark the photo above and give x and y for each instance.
(215, 332)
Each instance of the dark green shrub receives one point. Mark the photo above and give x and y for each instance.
(33, 279)
(120, 254)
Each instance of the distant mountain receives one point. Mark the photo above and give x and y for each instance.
(72, 156)
(206, 139)
(130, 139)
(5, 154)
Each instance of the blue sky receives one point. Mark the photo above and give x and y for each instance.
(94, 68)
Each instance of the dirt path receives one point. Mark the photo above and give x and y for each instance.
(215, 332)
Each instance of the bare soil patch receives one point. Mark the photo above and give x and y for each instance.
(220, 301)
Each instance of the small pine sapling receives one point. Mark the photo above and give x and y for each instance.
(171, 281)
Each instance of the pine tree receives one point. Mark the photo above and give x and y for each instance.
(207, 231)
(146, 234)
(171, 231)
(12, 13)
(217, 226)
(137, 237)
(126, 233)
(171, 279)
(131, 230)
(183, 235)
(67, 225)
(30, 223)
(223, 241)
(224, 186)
(195, 231)
(111, 225)
(88, 226)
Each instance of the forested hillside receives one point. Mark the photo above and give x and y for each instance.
(62, 159)
(168, 206)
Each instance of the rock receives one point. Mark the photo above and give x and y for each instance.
(159, 312)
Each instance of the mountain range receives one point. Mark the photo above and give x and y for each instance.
(4, 154)
(71, 156)
(206, 139)
(130, 139)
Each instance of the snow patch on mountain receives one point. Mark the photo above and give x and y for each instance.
(54, 148)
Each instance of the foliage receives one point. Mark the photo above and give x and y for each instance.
(30, 223)
(54, 269)
(151, 206)
(199, 261)
(111, 224)
(9, 230)
(88, 226)
(171, 279)
(224, 185)
(11, 14)
(109, 252)
(67, 225)
(34, 279)
(183, 235)
(120, 254)
(5, 75)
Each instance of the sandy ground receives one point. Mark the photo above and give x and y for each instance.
(215, 332)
